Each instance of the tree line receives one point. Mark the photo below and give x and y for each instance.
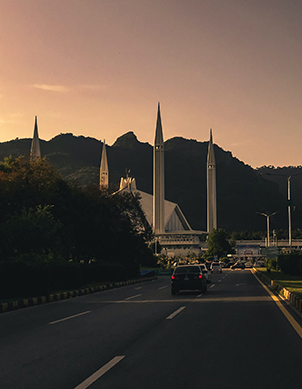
(45, 220)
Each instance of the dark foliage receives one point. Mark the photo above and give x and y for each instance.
(53, 228)
(30, 279)
(291, 263)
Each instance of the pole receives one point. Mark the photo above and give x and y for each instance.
(267, 223)
(289, 214)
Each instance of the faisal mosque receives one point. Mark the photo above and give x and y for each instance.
(170, 227)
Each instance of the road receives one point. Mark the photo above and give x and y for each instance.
(141, 336)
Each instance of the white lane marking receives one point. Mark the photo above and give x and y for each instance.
(69, 317)
(95, 376)
(175, 313)
(212, 286)
(139, 287)
(199, 295)
(133, 297)
(162, 287)
(219, 280)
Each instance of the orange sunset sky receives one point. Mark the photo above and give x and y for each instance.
(99, 67)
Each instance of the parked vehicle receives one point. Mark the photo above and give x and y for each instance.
(206, 272)
(216, 267)
(238, 265)
(188, 277)
(248, 265)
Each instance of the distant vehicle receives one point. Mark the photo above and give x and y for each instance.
(238, 265)
(206, 272)
(248, 265)
(216, 267)
(188, 277)
(259, 264)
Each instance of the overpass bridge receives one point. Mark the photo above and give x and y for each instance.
(281, 243)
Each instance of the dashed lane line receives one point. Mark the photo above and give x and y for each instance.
(163, 287)
(132, 297)
(69, 317)
(95, 376)
(212, 286)
(175, 313)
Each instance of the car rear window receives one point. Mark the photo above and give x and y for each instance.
(187, 269)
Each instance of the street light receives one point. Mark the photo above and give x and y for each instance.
(267, 224)
(288, 203)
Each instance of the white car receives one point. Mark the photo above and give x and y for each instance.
(206, 272)
(216, 267)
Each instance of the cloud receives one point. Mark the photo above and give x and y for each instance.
(92, 86)
(52, 88)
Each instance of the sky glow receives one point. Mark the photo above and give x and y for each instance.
(99, 67)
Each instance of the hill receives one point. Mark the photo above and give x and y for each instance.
(241, 190)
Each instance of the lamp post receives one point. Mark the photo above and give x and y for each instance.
(267, 224)
(288, 204)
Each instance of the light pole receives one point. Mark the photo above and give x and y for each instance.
(288, 204)
(267, 224)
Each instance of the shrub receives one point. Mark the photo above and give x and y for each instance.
(290, 263)
(271, 263)
(30, 278)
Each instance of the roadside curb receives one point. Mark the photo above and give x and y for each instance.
(283, 293)
(30, 302)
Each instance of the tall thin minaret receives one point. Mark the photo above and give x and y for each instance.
(104, 171)
(35, 151)
(211, 187)
(158, 179)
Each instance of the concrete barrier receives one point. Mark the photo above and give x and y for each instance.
(282, 292)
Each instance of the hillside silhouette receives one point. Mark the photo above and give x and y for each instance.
(242, 192)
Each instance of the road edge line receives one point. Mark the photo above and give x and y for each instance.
(285, 312)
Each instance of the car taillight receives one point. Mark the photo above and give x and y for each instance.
(200, 276)
(173, 278)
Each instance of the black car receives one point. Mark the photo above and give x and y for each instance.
(189, 277)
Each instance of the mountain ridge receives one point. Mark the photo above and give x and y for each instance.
(241, 190)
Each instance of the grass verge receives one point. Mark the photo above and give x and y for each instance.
(291, 283)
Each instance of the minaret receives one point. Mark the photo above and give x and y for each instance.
(104, 171)
(158, 179)
(211, 187)
(35, 151)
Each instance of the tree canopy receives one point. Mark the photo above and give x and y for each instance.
(42, 216)
(218, 243)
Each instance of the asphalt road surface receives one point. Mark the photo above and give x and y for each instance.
(141, 336)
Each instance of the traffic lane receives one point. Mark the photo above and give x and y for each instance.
(214, 343)
(231, 283)
(242, 284)
(62, 354)
(28, 319)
